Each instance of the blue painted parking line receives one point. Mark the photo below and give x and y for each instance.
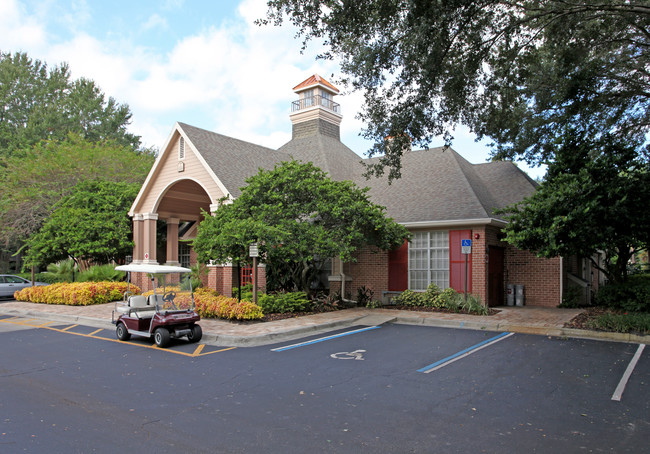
(462, 354)
(322, 339)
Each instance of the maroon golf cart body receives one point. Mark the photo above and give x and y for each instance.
(155, 315)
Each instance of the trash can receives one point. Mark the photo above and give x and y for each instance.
(510, 296)
(519, 295)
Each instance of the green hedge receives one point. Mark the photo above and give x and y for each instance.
(447, 299)
(284, 302)
(632, 295)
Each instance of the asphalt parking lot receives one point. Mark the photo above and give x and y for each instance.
(392, 388)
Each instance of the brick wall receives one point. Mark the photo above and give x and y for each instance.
(541, 277)
(370, 270)
(223, 278)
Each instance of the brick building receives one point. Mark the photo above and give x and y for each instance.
(441, 198)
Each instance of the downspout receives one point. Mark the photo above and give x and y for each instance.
(343, 277)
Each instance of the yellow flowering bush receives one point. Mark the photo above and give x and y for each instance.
(76, 293)
(210, 304)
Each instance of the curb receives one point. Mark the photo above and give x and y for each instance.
(527, 329)
(301, 331)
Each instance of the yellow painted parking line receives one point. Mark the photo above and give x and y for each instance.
(197, 352)
(69, 327)
(13, 321)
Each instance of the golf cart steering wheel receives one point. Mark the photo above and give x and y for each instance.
(169, 297)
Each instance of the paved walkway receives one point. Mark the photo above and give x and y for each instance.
(532, 320)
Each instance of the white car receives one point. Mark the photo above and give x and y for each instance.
(9, 284)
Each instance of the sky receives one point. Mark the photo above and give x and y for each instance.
(201, 62)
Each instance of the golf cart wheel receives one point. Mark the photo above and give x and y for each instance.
(122, 333)
(161, 337)
(196, 334)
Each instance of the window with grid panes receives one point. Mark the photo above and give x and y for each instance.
(184, 254)
(429, 259)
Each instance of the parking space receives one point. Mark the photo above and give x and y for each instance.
(511, 361)
(362, 389)
(178, 347)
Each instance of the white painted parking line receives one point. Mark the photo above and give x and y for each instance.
(618, 393)
(322, 339)
(462, 354)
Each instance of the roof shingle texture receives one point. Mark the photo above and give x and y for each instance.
(436, 184)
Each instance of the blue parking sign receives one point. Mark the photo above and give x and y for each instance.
(466, 246)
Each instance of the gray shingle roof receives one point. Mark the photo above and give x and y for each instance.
(232, 160)
(436, 184)
(327, 153)
(440, 185)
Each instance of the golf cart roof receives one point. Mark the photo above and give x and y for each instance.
(152, 269)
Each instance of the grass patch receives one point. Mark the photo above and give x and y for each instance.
(634, 322)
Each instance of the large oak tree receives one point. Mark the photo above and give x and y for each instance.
(518, 72)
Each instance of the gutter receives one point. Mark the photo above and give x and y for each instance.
(455, 223)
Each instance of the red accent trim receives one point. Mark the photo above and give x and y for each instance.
(457, 261)
(398, 268)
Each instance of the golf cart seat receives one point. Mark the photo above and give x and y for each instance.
(136, 304)
(153, 299)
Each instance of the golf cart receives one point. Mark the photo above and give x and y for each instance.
(158, 315)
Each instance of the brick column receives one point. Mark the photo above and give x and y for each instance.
(149, 236)
(172, 242)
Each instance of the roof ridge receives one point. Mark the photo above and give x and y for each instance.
(462, 165)
(185, 126)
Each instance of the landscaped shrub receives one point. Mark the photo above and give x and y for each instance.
(284, 302)
(446, 299)
(76, 294)
(409, 298)
(246, 292)
(210, 304)
(632, 295)
(622, 323)
(101, 273)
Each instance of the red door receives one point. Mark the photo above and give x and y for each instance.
(398, 268)
(457, 261)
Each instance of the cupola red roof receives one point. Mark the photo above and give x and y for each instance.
(315, 80)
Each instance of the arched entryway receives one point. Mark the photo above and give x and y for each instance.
(182, 201)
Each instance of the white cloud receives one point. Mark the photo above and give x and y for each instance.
(19, 32)
(155, 21)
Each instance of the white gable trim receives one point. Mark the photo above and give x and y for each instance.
(165, 150)
(208, 169)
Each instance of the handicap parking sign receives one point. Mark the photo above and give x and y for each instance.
(466, 246)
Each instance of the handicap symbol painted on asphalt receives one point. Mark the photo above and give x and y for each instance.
(356, 355)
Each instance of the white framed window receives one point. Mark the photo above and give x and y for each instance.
(308, 98)
(429, 259)
(181, 149)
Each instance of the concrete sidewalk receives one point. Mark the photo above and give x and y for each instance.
(530, 320)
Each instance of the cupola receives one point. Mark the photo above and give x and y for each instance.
(315, 111)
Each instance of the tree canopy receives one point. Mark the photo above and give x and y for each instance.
(594, 199)
(37, 103)
(90, 225)
(299, 217)
(34, 181)
(516, 72)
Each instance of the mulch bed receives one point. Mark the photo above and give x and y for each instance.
(581, 321)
